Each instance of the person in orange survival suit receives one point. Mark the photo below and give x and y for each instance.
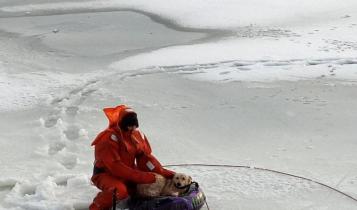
(116, 150)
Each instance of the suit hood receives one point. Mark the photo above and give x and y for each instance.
(116, 114)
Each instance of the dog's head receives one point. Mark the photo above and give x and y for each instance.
(181, 180)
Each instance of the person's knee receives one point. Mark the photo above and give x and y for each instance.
(121, 191)
(94, 206)
(103, 200)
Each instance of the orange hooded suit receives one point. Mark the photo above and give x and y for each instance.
(115, 154)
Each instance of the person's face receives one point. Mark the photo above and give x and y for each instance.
(131, 128)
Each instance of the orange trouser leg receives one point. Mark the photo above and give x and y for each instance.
(107, 184)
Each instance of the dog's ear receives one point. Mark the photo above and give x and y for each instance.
(189, 179)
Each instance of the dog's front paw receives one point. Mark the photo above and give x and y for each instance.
(176, 194)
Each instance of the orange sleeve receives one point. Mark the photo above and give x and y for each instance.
(106, 152)
(148, 162)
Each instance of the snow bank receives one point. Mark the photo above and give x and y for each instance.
(221, 14)
(269, 71)
(262, 55)
(226, 50)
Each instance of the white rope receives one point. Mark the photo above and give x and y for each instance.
(261, 169)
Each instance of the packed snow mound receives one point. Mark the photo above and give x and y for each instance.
(53, 193)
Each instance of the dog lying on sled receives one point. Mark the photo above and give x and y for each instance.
(165, 187)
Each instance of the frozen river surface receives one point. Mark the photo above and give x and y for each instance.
(276, 95)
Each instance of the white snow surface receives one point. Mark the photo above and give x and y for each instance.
(26, 90)
(50, 115)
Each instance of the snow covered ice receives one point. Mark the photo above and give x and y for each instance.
(254, 83)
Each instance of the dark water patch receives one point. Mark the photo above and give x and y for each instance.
(83, 40)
